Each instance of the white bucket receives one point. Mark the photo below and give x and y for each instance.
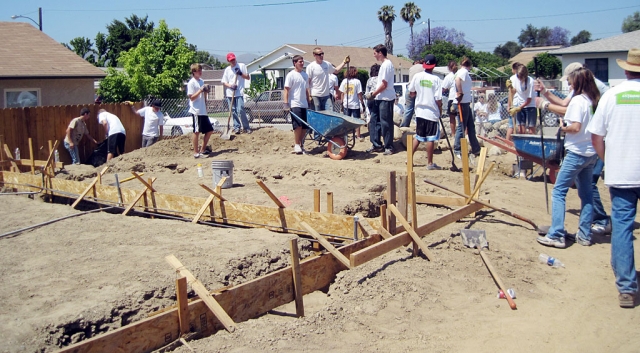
(222, 169)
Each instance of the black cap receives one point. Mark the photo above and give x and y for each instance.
(430, 62)
(157, 103)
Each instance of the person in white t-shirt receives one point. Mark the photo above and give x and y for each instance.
(480, 110)
(352, 101)
(578, 163)
(384, 95)
(196, 91)
(463, 98)
(493, 108)
(409, 103)
(153, 122)
(296, 100)
(319, 73)
(426, 89)
(449, 90)
(617, 119)
(523, 106)
(335, 93)
(116, 135)
(233, 80)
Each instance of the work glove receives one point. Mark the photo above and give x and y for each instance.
(508, 84)
(540, 87)
(369, 96)
(287, 108)
(347, 59)
(128, 102)
(238, 71)
(206, 88)
(541, 103)
(514, 110)
(459, 96)
(233, 87)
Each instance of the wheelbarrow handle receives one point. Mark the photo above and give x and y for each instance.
(314, 130)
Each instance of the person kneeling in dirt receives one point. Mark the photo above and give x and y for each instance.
(116, 135)
(296, 98)
(426, 88)
(153, 122)
(76, 130)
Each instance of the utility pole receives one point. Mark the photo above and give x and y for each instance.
(429, 30)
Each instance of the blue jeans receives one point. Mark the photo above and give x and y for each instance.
(623, 213)
(579, 169)
(74, 152)
(238, 110)
(599, 214)
(469, 125)
(323, 103)
(374, 124)
(385, 113)
(409, 105)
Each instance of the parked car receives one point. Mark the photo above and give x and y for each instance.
(267, 107)
(182, 123)
(401, 89)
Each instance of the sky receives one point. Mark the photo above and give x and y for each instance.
(260, 26)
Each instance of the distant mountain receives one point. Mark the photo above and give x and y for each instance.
(242, 58)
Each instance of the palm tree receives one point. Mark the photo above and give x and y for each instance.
(410, 13)
(386, 15)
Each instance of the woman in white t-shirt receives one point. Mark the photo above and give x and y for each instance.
(352, 101)
(480, 110)
(578, 163)
(493, 108)
(524, 104)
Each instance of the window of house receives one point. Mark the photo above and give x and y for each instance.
(599, 67)
(21, 97)
(405, 78)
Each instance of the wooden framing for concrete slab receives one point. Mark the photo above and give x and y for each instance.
(325, 243)
(147, 187)
(297, 277)
(91, 186)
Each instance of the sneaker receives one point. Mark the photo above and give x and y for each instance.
(433, 166)
(297, 149)
(583, 242)
(388, 152)
(236, 131)
(558, 243)
(375, 149)
(303, 150)
(458, 155)
(248, 131)
(627, 300)
(205, 152)
(600, 229)
(196, 155)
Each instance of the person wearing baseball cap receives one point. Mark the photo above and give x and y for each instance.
(153, 121)
(233, 79)
(617, 119)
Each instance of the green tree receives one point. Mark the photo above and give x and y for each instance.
(204, 57)
(528, 36)
(123, 36)
(387, 15)
(158, 66)
(582, 37)
(83, 47)
(507, 50)
(101, 50)
(410, 13)
(631, 23)
(548, 65)
(446, 51)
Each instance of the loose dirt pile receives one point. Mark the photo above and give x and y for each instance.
(82, 276)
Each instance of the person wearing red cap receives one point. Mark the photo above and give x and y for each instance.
(233, 81)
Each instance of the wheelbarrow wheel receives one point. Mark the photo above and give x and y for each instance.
(334, 151)
(553, 173)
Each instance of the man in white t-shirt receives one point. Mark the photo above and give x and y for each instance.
(409, 101)
(319, 73)
(233, 80)
(335, 93)
(196, 91)
(153, 122)
(617, 119)
(426, 90)
(296, 100)
(463, 98)
(116, 135)
(384, 94)
(449, 89)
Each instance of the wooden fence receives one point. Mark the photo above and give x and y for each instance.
(43, 124)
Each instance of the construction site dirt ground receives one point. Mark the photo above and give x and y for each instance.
(89, 274)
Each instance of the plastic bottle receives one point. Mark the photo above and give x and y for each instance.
(17, 154)
(56, 156)
(551, 261)
(200, 171)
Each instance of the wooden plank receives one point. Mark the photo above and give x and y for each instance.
(391, 200)
(297, 277)
(31, 157)
(411, 184)
(401, 195)
(10, 157)
(414, 236)
(316, 200)
(139, 196)
(144, 182)
(384, 233)
(203, 293)
(365, 227)
(219, 185)
(26, 162)
(270, 194)
(325, 243)
(86, 191)
(403, 239)
(409, 154)
(183, 304)
(204, 207)
(466, 180)
(213, 192)
(383, 216)
(440, 200)
(329, 202)
(476, 190)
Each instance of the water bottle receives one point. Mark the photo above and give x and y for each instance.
(551, 261)
(200, 171)
(17, 154)
(56, 156)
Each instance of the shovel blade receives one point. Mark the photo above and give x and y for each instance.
(474, 238)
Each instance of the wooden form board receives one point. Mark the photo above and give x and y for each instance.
(186, 206)
(242, 302)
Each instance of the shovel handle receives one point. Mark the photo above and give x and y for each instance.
(495, 276)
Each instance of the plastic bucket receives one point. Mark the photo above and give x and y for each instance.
(222, 169)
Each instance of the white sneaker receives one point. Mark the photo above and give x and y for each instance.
(297, 149)
(600, 229)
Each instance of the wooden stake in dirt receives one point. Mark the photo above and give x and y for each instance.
(411, 184)
(316, 200)
(209, 201)
(203, 293)
(147, 187)
(466, 180)
(14, 165)
(297, 278)
(329, 202)
(391, 200)
(365, 227)
(402, 195)
(416, 238)
(31, 159)
(325, 243)
(270, 194)
(89, 188)
(183, 305)
(476, 190)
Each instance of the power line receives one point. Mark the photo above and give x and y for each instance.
(197, 7)
(541, 16)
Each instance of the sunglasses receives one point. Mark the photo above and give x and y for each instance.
(318, 54)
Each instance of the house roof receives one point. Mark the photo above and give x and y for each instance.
(619, 43)
(360, 57)
(26, 52)
(527, 54)
(212, 75)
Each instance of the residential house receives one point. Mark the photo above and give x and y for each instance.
(35, 70)
(527, 54)
(600, 55)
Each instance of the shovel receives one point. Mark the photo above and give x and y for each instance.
(478, 239)
(226, 135)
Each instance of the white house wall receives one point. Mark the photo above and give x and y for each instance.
(616, 74)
